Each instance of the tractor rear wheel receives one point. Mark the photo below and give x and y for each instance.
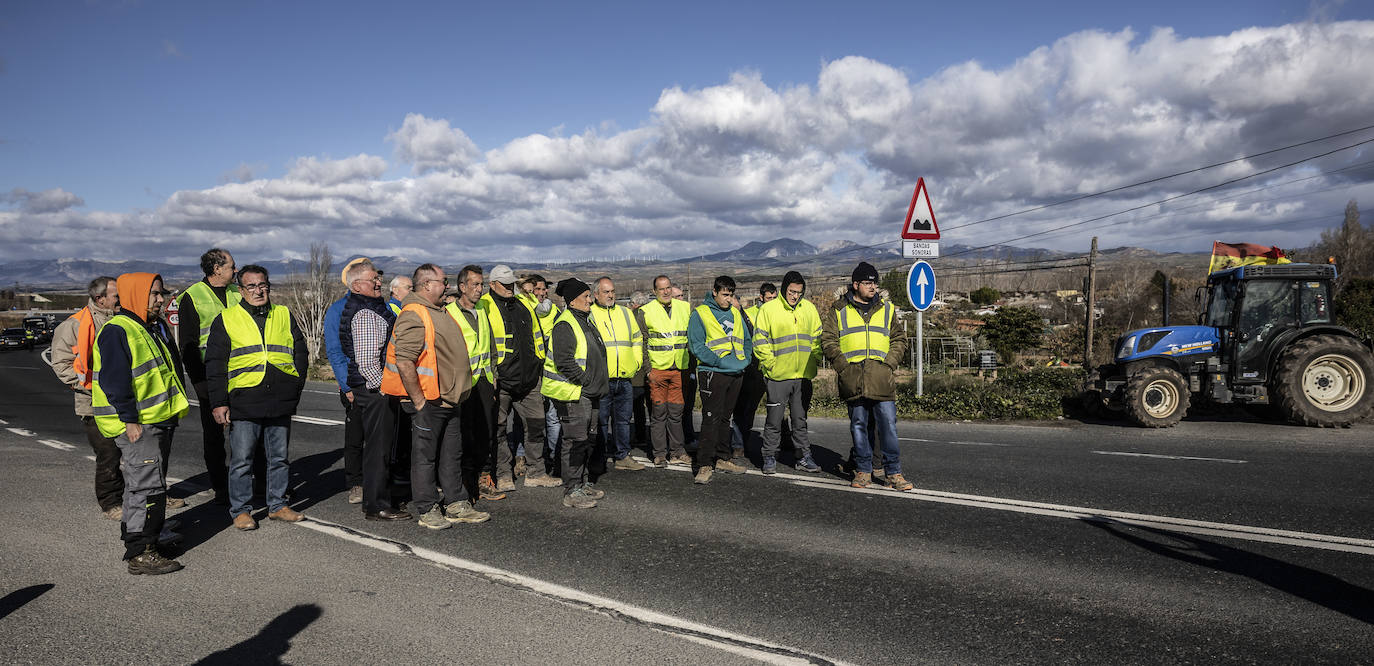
(1156, 397)
(1324, 381)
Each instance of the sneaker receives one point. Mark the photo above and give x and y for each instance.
(286, 514)
(487, 490)
(629, 464)
(176, 503)
(168, 537)
(244, 521)
(578, 499)
(519, 467)
(878, 473)
(434, 519)
(541, 481)
(728, 467)
(681, 459)
(592, 491)
(114, 513)
(898, 482)
(505, 485)
(806, 464)
(660, 461)
(770, 465)
(152, 563)
(861, 480)
(355, 495)
(463, 512)
(703, 476)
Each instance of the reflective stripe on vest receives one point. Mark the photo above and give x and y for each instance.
(159, 394)
(478, 342)
(623, 340)
(666, 337)
(556, 386)
(426, 366)
(208, 307)
(717, 340)
(85, 343)
(501, 342)
(789, 338)
(250, 353)
(861, 340)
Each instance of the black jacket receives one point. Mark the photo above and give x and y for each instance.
(520, 371)
(594, 380)
(276, 396)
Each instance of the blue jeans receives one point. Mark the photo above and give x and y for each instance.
(243, 437)
(616, 410)
(885, 421)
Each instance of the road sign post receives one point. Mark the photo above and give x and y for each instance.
(920, 288)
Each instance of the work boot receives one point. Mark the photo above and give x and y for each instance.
(487, 490)
(464, 512)
(434, 519)
(592, 491)
(541, 481)
(244, 521)
(355, 495)
(861, 480)
(504, 485)
(770, 465)
(729, 467)
(703, 476)
(286, 514)
(660, 461)
(681, 459)
(898, 482)
(175, 503)
(628, 464)
(114, 513)
(578, 499)
(152, 563)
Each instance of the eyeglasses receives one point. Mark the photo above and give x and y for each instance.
(445, 281)
(867, 283)
(256, 288)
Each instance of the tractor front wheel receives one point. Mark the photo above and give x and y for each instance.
(1156, 397)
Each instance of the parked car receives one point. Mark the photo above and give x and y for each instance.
(16, 338)
(40, 328)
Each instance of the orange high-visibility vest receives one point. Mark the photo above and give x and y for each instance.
(427, 366)
(85, 342)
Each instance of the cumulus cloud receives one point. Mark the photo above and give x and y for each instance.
(712, 168)
(239, 174)
(54, 200)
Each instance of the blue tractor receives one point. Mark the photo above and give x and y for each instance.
(1266, 338)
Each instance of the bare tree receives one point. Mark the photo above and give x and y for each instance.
(308, 295)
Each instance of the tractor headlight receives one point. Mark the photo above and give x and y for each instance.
(1127, 348)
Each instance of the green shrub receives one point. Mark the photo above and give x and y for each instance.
(1039, 393)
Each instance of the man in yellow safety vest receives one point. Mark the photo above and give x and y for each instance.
(787, 335)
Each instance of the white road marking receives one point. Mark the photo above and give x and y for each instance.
(47, 356)
(1165, 457)
(748, 646)
(321, 392)
(1203, 527)
(4, 422)
(60, 446)
(317, 421)
(21, 432)
(17, 367)
(942, 441)
(90, 458)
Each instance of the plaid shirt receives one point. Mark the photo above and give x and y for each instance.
(369, 341)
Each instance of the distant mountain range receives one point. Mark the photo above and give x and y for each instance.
(55, 274)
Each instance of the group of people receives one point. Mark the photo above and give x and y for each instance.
(453, 390)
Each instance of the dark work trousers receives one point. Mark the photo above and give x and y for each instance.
(145, 486)
(436, 454)
(109, 482)
(689, 404)
(530, 409)
(639, 434)
(216, 455)
(377, 411)
(353, 443)
(579, 420)
(750, 395)
(794, 397)
(478, 422)
(719, 394)
(399, 458)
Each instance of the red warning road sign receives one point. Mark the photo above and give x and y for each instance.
(920, 217)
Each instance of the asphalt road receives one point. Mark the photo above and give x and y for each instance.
(1215, 541)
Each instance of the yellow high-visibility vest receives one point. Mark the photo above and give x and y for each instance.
(666, 336)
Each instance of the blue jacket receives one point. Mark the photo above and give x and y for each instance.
(696, 341)
(333, 348)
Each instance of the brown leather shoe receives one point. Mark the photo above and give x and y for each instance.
(245, 522)
(287, 514)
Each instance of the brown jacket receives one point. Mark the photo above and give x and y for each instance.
(455, 375)
(870, 378)
(64, 359)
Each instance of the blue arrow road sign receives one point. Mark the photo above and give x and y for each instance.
(920, 285)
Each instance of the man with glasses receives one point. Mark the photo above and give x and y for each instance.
(199, 305)
(860, 341)
(255, 364)
(364, 326)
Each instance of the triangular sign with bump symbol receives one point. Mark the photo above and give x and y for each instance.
(920, 216)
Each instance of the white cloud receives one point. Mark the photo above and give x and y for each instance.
(713, 168)
(48, 201)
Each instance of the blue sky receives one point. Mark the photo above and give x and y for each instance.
(153, 115)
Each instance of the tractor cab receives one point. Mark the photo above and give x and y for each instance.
(1257, 311)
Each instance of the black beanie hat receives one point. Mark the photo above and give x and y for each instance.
(864, 271)
(570, 288)
(792, 277)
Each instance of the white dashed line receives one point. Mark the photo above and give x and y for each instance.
(21, 432)
(944, 441)
(316, 421)
(60, 446)
(1166, 457)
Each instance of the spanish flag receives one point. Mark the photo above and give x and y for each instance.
(1230, 255)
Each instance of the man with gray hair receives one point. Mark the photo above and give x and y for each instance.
(624, 341)
(72, 345)
(400, 286)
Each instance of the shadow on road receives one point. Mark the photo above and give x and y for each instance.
(15, 600)
(269, 645)
(1309, 584)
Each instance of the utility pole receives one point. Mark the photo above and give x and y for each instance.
(1092, 305)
